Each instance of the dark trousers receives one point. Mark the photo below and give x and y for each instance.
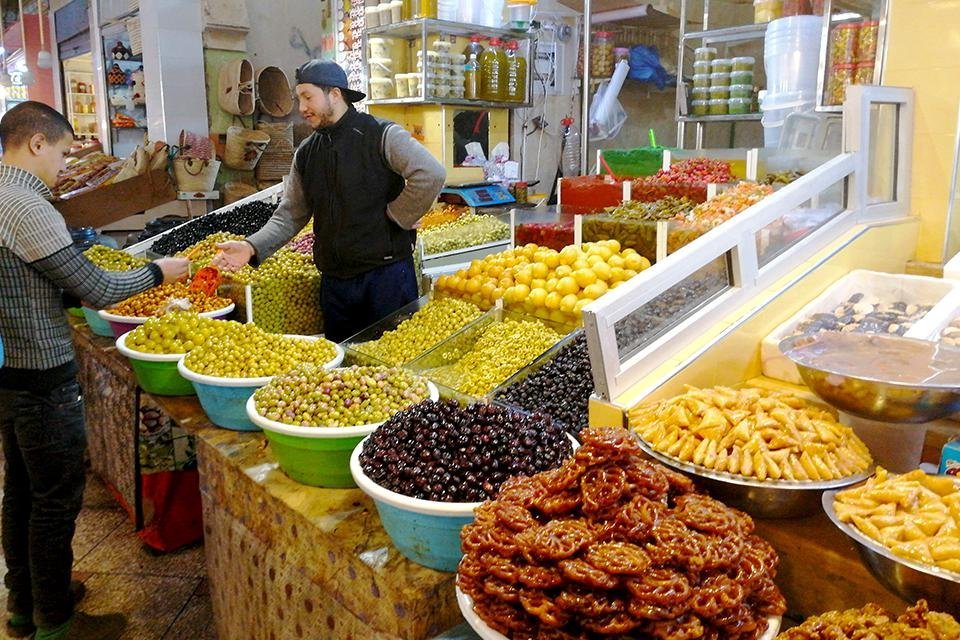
(43, 445)
(352, 304)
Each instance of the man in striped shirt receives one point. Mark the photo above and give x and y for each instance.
(41, 407)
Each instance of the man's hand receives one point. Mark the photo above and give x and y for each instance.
(174, 269)
(233, 254)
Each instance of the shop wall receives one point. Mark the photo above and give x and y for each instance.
(41, 88)
(923, 51)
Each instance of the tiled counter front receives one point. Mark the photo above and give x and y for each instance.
(287, 561)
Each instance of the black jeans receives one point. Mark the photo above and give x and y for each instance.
(43, 444)
(352, 304)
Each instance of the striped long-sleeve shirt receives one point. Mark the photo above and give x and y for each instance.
(38, 262)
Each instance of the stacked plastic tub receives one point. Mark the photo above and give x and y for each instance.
(791, 57)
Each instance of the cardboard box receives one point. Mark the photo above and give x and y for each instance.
(950, 458)
(102, 206)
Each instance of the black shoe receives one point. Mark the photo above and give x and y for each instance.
(84, 626)
(77, 590)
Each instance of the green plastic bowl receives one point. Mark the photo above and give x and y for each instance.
(156, 372)
(316, 456)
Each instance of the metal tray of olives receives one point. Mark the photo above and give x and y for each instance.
(759, 498)
(909, 579)
(886, 287)
(449, 351)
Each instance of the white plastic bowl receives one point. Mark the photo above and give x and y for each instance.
(133, 354)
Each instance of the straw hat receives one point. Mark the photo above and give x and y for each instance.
(236, 92)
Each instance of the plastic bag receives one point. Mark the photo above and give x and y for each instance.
(605, 122)
(645, 66)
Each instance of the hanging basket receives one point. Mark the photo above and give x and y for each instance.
(194, 145)
(195, 175)
(244, 147)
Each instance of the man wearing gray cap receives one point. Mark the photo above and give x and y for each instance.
(366, 182)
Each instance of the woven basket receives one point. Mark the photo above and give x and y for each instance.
(195, 175)
(244, 148)
(277, 157)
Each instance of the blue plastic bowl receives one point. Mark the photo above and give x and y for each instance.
(224, 400)
(424, 531)
(98, 325)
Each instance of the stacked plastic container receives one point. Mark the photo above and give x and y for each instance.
(721, 86)
(791, 57)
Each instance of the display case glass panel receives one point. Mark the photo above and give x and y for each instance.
(800, 222)
(654, 318)
(854, 44)
(882, 178)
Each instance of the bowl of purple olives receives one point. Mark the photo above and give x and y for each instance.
(427, 467)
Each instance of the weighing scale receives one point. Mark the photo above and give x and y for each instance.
(476, 194)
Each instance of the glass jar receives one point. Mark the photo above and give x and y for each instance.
(863, 73)
(721, 65)
(867, 41)
(840, 76)
(741, 91)
(704, 54)
(601, 54)
(843, 43)
(767, 10)
(701, 80)
(718, 107)
(699, 107)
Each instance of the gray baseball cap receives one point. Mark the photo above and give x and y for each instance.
(327, 73)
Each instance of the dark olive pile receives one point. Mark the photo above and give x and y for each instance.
(443, 452)
(561, 388)
(243, 220)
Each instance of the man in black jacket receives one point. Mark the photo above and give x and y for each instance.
(366, 182)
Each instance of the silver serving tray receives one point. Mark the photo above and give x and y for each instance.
(909, 579)
(759, 498)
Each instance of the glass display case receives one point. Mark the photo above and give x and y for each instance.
(126, 91)
(436, 61)
(440, 364)
(657, 314)
(851, 50)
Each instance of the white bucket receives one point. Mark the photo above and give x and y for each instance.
(775, 109)
(791, 61)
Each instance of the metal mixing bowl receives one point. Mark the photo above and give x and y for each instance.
(908, 579)
(759, 498)
(874, 399)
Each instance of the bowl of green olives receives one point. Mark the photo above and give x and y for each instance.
(223, 397)
(314, 418)
(156, 372)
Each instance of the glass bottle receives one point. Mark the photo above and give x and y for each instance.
(516, 73)
(427, 9)
(471, 78)
(474, 47)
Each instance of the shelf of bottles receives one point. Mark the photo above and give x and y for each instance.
(81, 103)
(436, 61)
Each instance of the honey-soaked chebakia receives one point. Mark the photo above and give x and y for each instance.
(610, 543)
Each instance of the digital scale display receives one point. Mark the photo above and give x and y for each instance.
(476, 194)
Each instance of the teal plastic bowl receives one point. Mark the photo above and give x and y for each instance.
(424, 531)
(98, 325)
(316, 456)
(156, 372)
(76, 312)
(224, 400)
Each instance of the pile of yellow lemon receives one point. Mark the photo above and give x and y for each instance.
(544, 282)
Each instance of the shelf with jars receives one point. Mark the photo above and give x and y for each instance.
(428, 61)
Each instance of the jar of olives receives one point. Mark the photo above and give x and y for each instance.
(717, 93)
(721, 65)
(701, 67)
(741, 77)
(701, 81)
(718, 107)
(601, 54)
(699, 107)
(720, 79)
(737, 106)
(742, 63)
(704, 54)
(741, 91)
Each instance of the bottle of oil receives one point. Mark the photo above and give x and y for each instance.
(516, 73)
(471, 78)
(493, 72)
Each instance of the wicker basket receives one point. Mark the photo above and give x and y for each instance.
(195, 175)
(277, 157)
(244, 148)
